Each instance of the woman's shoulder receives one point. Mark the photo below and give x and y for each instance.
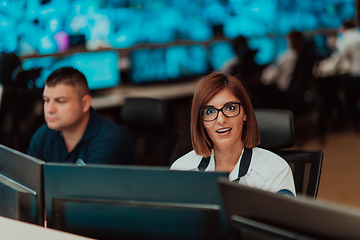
(269, 161)
(189, 161)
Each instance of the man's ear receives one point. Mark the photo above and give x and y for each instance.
(86, 101)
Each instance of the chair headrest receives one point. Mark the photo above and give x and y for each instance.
(143, 112)
(276, 128)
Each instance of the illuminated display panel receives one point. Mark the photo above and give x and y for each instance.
(168, 64)
(30, 27)
(99, 68)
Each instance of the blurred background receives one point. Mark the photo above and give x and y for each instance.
(133, 45)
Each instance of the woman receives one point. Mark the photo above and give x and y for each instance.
(225, 134)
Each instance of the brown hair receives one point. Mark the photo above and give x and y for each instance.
(206, 89)
(68, 76)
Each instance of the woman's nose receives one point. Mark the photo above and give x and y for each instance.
(221, 117)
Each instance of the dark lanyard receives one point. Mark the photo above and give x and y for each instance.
(244, 163)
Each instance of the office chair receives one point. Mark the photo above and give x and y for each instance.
(21, 110)
(277, 132)
(145, 121)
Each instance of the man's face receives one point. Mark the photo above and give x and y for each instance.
(63, 107)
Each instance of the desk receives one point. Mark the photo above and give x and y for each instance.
(13, 230)
(116, 97)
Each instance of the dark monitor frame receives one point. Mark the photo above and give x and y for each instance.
(109, 219)
(21, 185)
(244, 228)
(135, 183)
(301, 215)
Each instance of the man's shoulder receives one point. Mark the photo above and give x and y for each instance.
(109, 128)
(107, 132)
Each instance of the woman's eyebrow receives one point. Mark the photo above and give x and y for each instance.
(230, 103)
(227, 103)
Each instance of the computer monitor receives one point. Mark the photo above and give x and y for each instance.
(247, 229)
(100, 68)
(111, 219)
(313, 219)
(88, 188)
(220, 52)
(170, 64)
(21, 186)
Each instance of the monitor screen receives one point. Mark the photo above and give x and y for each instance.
(168, 64)
(220, 53)
(130, 183)
(21, 186)
(314, 219)
(33, 27)
(100, 68)
(114, 219)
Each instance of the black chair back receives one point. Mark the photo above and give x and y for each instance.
(277, 132)
(145, 121)
(306, 166)
(276, 128)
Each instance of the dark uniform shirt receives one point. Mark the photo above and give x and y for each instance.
(103, 142)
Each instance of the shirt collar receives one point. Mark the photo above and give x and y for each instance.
(234, 173)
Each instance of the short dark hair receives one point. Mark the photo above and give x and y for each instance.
(348, 24)
(68, 76)
(207, 88)
(296, 40)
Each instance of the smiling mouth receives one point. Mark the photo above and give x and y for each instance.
(223, 130)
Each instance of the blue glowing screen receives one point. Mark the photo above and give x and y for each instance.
(267, 50)
(99, 68)
(153, 65)
(220, 53)
(30, 27)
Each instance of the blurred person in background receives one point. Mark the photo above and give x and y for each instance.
(289, 79)
(340, 75)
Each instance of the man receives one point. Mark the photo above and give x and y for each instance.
(348, 49)
(74, 132)
(341, 73)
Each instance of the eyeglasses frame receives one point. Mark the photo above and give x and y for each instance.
(221, 109)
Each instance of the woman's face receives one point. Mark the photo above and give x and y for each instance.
(225, 131)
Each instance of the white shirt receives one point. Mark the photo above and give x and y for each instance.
(267, 171)
(349, 51)
(281, 73)
(346, 58)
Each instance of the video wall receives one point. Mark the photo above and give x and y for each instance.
(100, 68)
(164, 64)
(30, 27)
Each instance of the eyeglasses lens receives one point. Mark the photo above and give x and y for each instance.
(230, 110)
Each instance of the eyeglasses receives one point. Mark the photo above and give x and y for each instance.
(209, 114)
